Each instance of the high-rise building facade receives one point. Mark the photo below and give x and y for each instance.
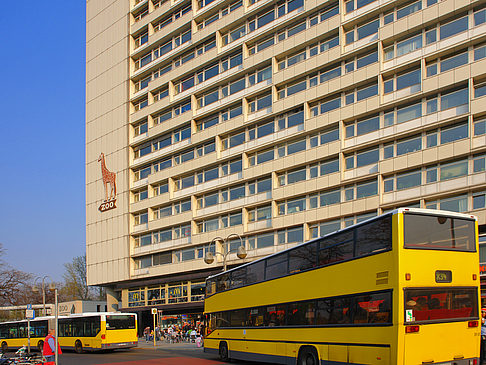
(271, 121)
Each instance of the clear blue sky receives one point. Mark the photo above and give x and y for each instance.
(42, 191)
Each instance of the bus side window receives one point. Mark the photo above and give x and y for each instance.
(238, 318)
(302, 258)
(3, 331)
(13, 333)
(255, 272)
(275, 316)
(373, 308)
(222, 282)
(301, 314)
(336, 248)
(78, 327)
(341, 311)
(373, 237)
(238, 278)
(255, 317)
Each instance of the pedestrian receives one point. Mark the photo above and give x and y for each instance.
(157, 333)
(146, 332)
(199, 341)
(482, 349)
(49, 348)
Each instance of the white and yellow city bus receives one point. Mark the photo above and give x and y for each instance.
(401, 288)
(87, 331)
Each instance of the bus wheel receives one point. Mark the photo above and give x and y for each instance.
(40, 346)
(78, 347)
(4, 347)
(223, 351)
(307, 356)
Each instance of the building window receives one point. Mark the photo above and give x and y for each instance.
(397, 82)
(197, 291)
(161, 189)
(141, 218)
(362, 31)
(479, 200)
(403, 181)
(140, 195)
(140, 104)
(320, 230)
(453, 204)
(260, 213)
(479, 163)
(479, 127)
(136, 298)
(140, 128)
(141, 39)
(290, 235)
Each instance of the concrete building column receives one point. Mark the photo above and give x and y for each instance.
(112, 300)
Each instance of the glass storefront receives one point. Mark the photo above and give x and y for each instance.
(171, 293)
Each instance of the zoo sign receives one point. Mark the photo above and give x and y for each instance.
(109, 178)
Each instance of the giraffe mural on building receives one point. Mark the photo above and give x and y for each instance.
(108, 178)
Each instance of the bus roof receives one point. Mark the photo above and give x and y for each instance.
(434, 212)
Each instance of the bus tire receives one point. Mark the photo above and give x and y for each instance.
(4, 347)
(308, 356)
(223, 351)
(40, 346)
(78, 347)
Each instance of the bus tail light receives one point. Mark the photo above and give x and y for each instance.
(472, 324)
(412, 329)
(408, 276)
(103, 336)
(475, 277)
(473, 362)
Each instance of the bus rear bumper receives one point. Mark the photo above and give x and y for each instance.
(471, 361)
(120, 345)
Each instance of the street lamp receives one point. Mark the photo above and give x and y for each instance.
(240, 251)
(36, 290)
(52, 287)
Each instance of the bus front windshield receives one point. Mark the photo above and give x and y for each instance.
(120, 322)
(439, 232)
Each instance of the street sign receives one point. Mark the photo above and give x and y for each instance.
(29, 314)
(154, 310)
(29, 306)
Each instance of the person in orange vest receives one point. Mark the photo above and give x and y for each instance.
(49, 346)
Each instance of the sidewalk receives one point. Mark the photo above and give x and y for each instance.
(165, 345)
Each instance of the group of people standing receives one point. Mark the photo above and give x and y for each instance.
(175, 333)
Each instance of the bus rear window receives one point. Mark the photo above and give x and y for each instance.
(439, 233)
(120, 322)
(440, 304)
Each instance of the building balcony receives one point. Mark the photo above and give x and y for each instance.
(225, 207)
(160, 247)
(200, 188)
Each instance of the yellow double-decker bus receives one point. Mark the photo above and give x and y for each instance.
(79, 332)
(401, 288)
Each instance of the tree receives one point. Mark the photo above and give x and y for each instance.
(75, 284)
(12, 282)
